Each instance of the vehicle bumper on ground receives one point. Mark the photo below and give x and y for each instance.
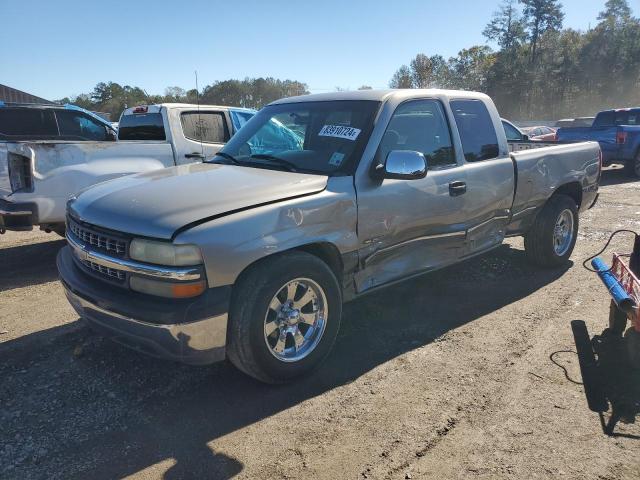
(192, 332)
(17, 216)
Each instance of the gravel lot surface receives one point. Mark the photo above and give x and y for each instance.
(448, 376)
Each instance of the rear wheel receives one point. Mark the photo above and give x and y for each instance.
(550, 241)
(284, 317)
(632, 168)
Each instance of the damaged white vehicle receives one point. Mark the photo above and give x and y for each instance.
(38, 175)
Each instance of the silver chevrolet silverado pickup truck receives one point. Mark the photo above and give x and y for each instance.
(316, 200)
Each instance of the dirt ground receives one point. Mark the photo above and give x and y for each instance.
(448, 376)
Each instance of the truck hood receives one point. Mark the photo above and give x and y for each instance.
(156, 204)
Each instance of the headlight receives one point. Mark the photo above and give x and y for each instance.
(164, 253)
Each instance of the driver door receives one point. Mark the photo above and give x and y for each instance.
(410, 226)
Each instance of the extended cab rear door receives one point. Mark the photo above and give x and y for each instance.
(198, 134)
(489, 171)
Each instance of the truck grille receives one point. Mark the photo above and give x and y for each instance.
(99, 240)
(111, 273)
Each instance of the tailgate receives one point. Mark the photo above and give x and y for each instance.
(529, 145)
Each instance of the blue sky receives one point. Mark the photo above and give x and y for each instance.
(62, 48)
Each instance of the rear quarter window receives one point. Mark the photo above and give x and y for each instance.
(604, 119)
(477, 134)
(141, 126)
(79, 126)
(27, 123)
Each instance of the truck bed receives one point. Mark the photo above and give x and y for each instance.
(619, 143)
(59, 169)
(543, 170)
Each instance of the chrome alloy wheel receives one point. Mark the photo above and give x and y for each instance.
(295, 320)
(563, 232)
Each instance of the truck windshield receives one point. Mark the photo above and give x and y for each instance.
(311, 137)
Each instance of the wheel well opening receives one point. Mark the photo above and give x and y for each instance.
(326, 252)
(573, 190)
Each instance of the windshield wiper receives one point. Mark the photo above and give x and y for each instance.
(292, 167)
(226, 156)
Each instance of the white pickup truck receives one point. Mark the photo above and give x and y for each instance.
(37, 177)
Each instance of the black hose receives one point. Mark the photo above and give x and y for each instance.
(584, 264)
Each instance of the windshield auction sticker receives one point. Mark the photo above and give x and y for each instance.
(338, 131)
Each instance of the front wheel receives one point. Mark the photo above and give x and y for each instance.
(284, 318)
(552, 237)
(632, 168)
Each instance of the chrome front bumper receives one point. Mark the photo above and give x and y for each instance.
(197, 343)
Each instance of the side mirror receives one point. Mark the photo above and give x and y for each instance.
(525, 137)
(405, 165)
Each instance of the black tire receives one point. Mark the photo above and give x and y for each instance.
(246, 345)
(632, 168)
(539, 240)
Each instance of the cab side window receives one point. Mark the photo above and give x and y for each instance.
(81, 126)
(477, 134)
(512, 134)
(208, 127)
(420, 126)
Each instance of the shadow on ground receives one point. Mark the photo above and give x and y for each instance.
(616, 176)
(79, 406)
(27, 265)
(611, 385)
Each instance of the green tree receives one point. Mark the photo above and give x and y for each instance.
(541, 16)
(174, 94)
(616, 12)
(403, 78)
(421, 71)
(470, 68)
(507, 27)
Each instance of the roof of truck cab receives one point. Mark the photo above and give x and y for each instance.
(157, 107)
(194, 105)
(380, 95)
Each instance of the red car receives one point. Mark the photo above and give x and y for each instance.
(541, 134)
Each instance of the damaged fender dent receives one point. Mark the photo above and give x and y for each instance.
(235, 240)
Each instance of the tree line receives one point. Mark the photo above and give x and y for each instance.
(113, 98)
(541, 70)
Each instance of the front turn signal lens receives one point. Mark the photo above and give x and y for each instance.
(187, 290)
(161, 288)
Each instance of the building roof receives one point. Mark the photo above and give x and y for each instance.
(13, 95)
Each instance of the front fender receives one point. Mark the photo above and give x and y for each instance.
(232, 243)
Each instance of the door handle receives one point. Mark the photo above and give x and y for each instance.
(194, 155)
(457, 188)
